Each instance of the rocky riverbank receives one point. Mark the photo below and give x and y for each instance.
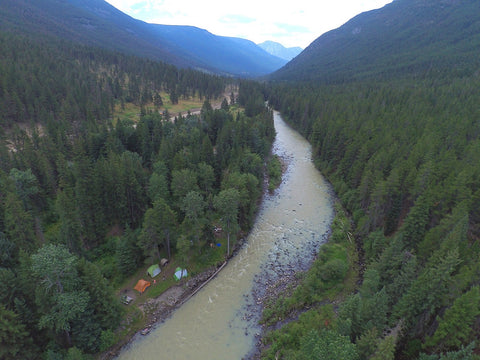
(158, 309)
(279, 277)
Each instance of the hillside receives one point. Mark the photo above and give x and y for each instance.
(404, 37)
(390, 107)
(97, 23)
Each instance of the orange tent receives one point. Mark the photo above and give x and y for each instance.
(142, 285)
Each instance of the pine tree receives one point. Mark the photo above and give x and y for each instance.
(455, 327)
(158, 226)
(327, 345)
(429, 291)
(226, 203)
(19, 224)
(15, 339)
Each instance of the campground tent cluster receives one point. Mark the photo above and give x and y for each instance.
(153, 271)
(142, 284)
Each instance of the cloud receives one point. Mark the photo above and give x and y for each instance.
(139, 5)
(236, 18)
(297, 24)
(289, 28)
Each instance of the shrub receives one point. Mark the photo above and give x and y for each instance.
(334, 270)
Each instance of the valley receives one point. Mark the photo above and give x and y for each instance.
(123, 144)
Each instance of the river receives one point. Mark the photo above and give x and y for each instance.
(221, 321)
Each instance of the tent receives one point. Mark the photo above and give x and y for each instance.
(126, 299)
(142, 285)
(180, 273)
(154, 270)
(163, 262)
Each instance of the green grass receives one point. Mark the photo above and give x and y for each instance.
(131, 112)
(182, 106)
(208, 258)
(159, 288)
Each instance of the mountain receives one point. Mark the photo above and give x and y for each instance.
(405, 36)
(279, 50)
(97, 23)
(230, 55)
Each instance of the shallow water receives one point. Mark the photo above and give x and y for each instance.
(220, 321)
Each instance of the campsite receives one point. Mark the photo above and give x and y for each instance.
(158, 300)
(138, 313)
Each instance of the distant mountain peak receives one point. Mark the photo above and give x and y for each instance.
(279, 50)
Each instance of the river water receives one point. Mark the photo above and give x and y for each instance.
(221, 321)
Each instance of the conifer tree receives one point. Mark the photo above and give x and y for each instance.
(15, 339)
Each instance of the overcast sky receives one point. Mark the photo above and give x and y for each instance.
(291, 23)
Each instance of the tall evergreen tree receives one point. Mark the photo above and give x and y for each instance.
(15, 339)
(226, 203)
(158, 227)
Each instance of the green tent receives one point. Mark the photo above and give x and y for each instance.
(180, 273)
(154, 270)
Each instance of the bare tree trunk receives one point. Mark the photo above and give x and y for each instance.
(69, 338)
(228, 244)
(167, 245)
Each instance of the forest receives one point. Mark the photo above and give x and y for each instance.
(403, 156)
(87, 197)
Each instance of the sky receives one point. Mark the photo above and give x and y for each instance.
(291, 23)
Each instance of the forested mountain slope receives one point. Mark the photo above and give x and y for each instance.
(403, 157)
(405, 37)
(87, 199)
(56, 81)
(95, 22)
(400, 142)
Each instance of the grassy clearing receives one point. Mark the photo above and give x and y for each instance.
(182, 106)
(131, 112)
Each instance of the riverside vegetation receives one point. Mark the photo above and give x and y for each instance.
(389, 102)
(89, 198)
(403, 156)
